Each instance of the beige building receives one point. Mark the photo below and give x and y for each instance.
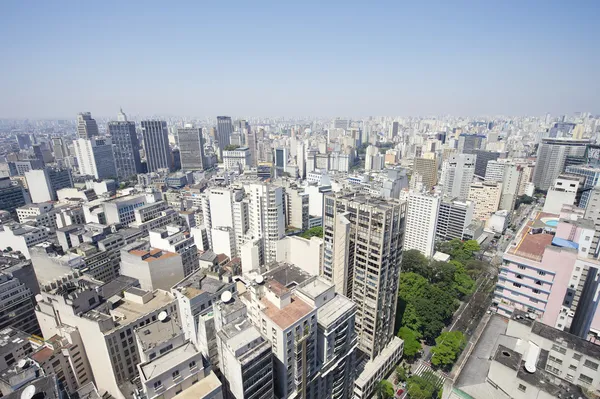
(486, 199)
(427, 168)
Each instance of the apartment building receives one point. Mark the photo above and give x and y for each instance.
(174, 239)
(485, 198)
(421, 220)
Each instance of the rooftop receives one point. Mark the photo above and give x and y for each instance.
(244, 340)
(157, 332)
(532, 246)
(337, 307)
(198, 283)
(167, 361)
(46, 385)
(288, 315)
(315, 287)
(284, 277)
(152, 254)
(202, 388)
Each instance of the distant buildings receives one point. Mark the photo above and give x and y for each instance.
(126, 147)
(224, 131)
(11, 196)
(457, 176)
(95, 157)
(191, 148)
(156, 145)
(86, 126)
(551, 158)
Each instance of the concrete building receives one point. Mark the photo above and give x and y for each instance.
(11, 196)
(21, 237)
(191, 148)
(156, 145)
(566, 190)
(374, 160)
(152, 267)
(591, 175)
(86, 126)
(457, 176)
(485, 198)
(349, 250)
(551, 158)
(511, 181)
(106, 324)
(236, 159)
(482, 161)
(307, 254)
(126, 147)
(43, 183)
(18, 288)
(174, 239)
(121, 210)
(296, 208)
(224, 131)
(421, 220)
(266, 217)
(453, 219)
(14, 346)
(427, 168)
(95, 157)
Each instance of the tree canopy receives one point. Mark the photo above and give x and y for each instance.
(384, 390)
(412, 346)
(422, 387)
(314, 232)
(448, 346)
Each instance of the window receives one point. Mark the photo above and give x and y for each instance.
(175, 374)
(522, 388)
(535, 290)
(541, 273)
(521, 267)
(591, 365)
(573, 367)
(157, 385)
(585, 379)
(519, 276)
(192, 364)
(538, 282)
(554, 359)
(517, 285)
(576, 356)
(559, 349)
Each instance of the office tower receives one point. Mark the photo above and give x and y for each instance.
(495, 171)
(393, 131)
(11, 196)
(591, 175)
(108, 340)
(18, 288)
(126, 147)
(175, 239)
(421, 220)
(266, 217)
(43, 183)
(95, 157)
(374, 160)
(340, 123)
(363, 238)
(453, 218)
(511, 181)
(481, 162)
(224, 131)
(19, 168)
(121, 117)
(251, 144)
(236, 159)
(470, 142)
(562, 130)
(551, 157)
(428, 170)
(280, 158)
(24, 141)
(86, 126)
(156, 145)
(301, 160)
(191, 148)
(486, 198)
(60, 149)
(457, 176)
(37, 152)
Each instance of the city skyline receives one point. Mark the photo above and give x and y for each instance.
(282, 59)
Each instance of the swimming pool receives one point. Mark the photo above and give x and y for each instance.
(551, 222)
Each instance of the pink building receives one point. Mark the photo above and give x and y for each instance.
(545, 272)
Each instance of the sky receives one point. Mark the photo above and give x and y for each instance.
(298, 58)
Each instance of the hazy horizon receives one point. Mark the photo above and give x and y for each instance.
(275, 58)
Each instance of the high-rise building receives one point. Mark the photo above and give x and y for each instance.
(95, 157)
(421, 219)
(470, 142)
(394, 127)
(592, 178)
(481, 162)
(251, 144)
(224, 131)
(428, 170)
(486, 198)
(86, 126)
(236, 159)
(301, 159)
(191, 148)
(266, 217)
(511, 181)
(11, 196)
(551, 157)
(363, 239)
(24, 141)
(156, 145)
(126, 147)
(453, 218)
(457, 175)
(280, 158)
(43, 183)
(374, 160)
(176, 240)
(59, 147)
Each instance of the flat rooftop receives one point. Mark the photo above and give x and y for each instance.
(315, 287)
(334, 309)
(532, 246)
(158, 332)
(241, 336)
(198, 283)
(372, 367)
(202, 388)
(167, 361)
(288, 315)
(284, 277)
(11, 337)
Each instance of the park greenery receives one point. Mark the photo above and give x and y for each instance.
(448, 346)
(384, 390)
(314, 232)
(524, 199)
(430, 292)
(426, 386)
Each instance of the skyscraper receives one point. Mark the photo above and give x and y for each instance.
(428, 169)
(86, 125)
(126, 147)
(156, 145)
(224, 130)
(363, 239)
(457, 175)
(191, 148)
(59, 147)
(551, 157)
(95, 157)
(421, 220)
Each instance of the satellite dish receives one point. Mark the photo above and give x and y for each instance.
(28, 392)
(22, 363)
(259, 279)
(39, 298)
(226, 296)
(162, 316)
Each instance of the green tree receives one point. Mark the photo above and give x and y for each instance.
(401, 375)
(384, 390)
(448, 346)
(231, 147)
(314, 232)
(421, 388)
(471, 246)
(414, 261)
(412, 346)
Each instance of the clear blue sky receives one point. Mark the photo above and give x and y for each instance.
(293, 58)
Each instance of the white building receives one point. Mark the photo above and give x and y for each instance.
(236, 159)
(153, 268)
(457, 175)
(95, 157)
(21, 237)
(307, 254)
(421, 222)
(564, 191)
(486, 199)
(174, 239)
